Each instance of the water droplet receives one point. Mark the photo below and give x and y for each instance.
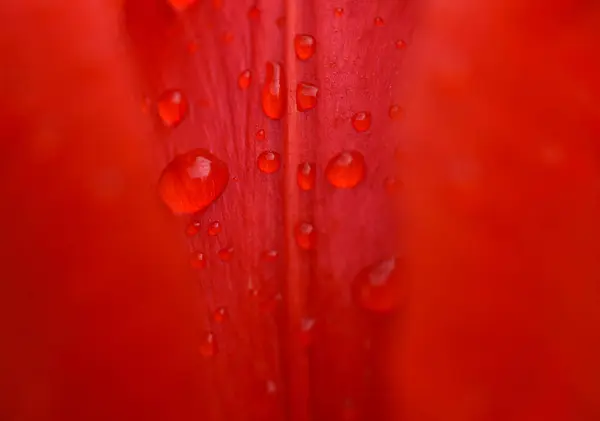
(260, 135)
(306, 236)
(254, 13)
(192, 181)
(172, 107)
(306, 331)
(306, 96)
(305, 46)
(271, 387)
(214, 228)
(391, 185)
(400, 44)
(226, 254)
(395, 112)
(198, 260)
(346, 169)
(338, 12)
(378, 21)
(269, 162)
(181, 5)
(221, 315)
(273, 92)
(244, 79)
(280, 22)
(307, 176)
(270, 255)
(375, 288)
(361, 121)
(192, 228)
(208, 346)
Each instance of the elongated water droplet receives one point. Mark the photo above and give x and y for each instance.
(273, 92)
(198, 260)
(261, 134)
(221, 315)
(269, 162)
(307, 176)
(306, 96)
(361, 121)
(304, 46)
(208, 345)
(192, 229)
(172, 107)
(226, 254)
(376, 287)
(214, 228)
(244, 79)
(346, 169)
(306, 236)
(395, 112)
(192, 181)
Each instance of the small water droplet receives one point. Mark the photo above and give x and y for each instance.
(181, 5)
(226, 254)
(395, 112)
(361, 121)
(198, 260)
(221, 315)
(378, 21)
(391, 185)
(270, 255)
(208, 345)
(244, 79)
(306, 96)
(192, 181)
(271, 387)
(214, 228)
(273, 92)
(172, 107)
(306, 176)
(346, 169)
(269, 162)
(254, 13)
(280, 22)
(260, 135)
(375, 288)
(306, 236)
(192, 228)
(400, 44)
(338, 12)
(305, 46)
(270, 303)
(306, 331)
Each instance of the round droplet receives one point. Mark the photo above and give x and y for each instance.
(338, 12)
(306, 96)
(395, 112)
(193, 228)
(273, 96)
(400, 44)
(208, 345)
(307, 176)
(244, 79)
(254, 13)
(172, 107)
(181, 5)
(269, 162)
(346, 169)
(376, 287)
(361, 121)
(192, 181)
(306, 236)
(270, 255)
(214, 228)
(305, 46)
(221, 315)
(198, 260)
(260, 134)
(378, 21)
(226, 254)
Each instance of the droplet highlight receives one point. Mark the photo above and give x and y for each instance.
(172, 107)
(400, 44)
(306, 96)
(198, 260)
(338, 12)
(376, 287)
(270, 255)
(221, 315)
(346, 170)
(304, 46)
(269, 162)
(192, 181)
(306, 236)
(361, 121)
(307, 176)
(395, 112)
(273, 96)
(244, 79)
(260, 134)
(214, 228)
(192, 229)
(208, 345)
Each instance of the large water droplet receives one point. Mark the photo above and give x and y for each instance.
(214, 228)
(172, 107)
(273, 92)
(208, 345)
(306, 96)
(361, 121)
(192, 181)
(376, 287)
(346, 169)
(244, 79)
(304, 46)
(269, 162)
(307, 176)
(226, 254)
(306, 236)
(198, 260)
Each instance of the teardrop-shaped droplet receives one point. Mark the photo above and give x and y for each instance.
(221, 315)
(378, 21)
(361, 121)
(395, 112)
(306, 236)
(260, 134)
(269, 162)
(214, 228)
(226, 254)
(306, 96)
(198, 260)
(273, 92)
(376, 287)
(244, 79)
(193, 228)
(172, 107)
(208, 345)
(400, 44)
(304, 46)
(346, 169)
(192, 181)
(307, 176)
